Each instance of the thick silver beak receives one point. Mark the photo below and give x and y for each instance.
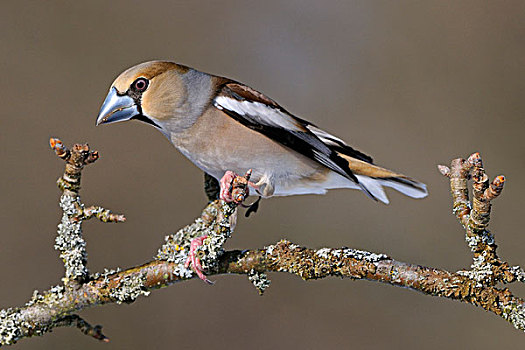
(116, 108)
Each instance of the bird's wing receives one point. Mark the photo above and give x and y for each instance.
(260, 113)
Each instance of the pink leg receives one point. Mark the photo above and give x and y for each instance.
(195, 261)
(226, 183)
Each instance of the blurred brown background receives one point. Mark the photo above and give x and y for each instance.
(413, 84)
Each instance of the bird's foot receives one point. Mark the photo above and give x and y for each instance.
(226, 184)
(194, 261)
(235, 188)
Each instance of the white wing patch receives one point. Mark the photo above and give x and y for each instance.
(327, 138)
(260, 112)
(321, 158)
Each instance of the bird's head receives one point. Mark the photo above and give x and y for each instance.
(148, 92)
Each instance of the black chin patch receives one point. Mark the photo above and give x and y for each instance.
(145, 119)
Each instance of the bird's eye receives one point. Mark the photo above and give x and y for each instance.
(140, 85)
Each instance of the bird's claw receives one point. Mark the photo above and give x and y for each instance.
(226, 184)
(194, 261)
(235, 188)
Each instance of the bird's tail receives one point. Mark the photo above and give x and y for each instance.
(374, 187)
(373, 178)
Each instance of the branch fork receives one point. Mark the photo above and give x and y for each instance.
(487, 268)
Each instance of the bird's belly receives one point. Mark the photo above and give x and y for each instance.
(280, 167)
(216, 143)
(275, 174)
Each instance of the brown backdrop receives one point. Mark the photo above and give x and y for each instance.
(413, 84)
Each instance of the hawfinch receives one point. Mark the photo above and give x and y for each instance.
(225, 128)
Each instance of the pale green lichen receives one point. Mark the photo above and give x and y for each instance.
(177, 246)
(331, 253)
(105, 275)
(69, 240)
(129, 289)
(11, 324)
(259, 280)
(53, 296)
(514, 313)
(269, 250)
(323, 253)
(481, 270)
(363, 255)
(518, 273)
(473, 241)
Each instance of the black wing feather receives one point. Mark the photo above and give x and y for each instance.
(302, 142)
(300, 138)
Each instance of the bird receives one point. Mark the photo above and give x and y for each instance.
(227, 128)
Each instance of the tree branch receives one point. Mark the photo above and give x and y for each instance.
(57, 306)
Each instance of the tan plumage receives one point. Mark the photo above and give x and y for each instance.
(222, 125)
